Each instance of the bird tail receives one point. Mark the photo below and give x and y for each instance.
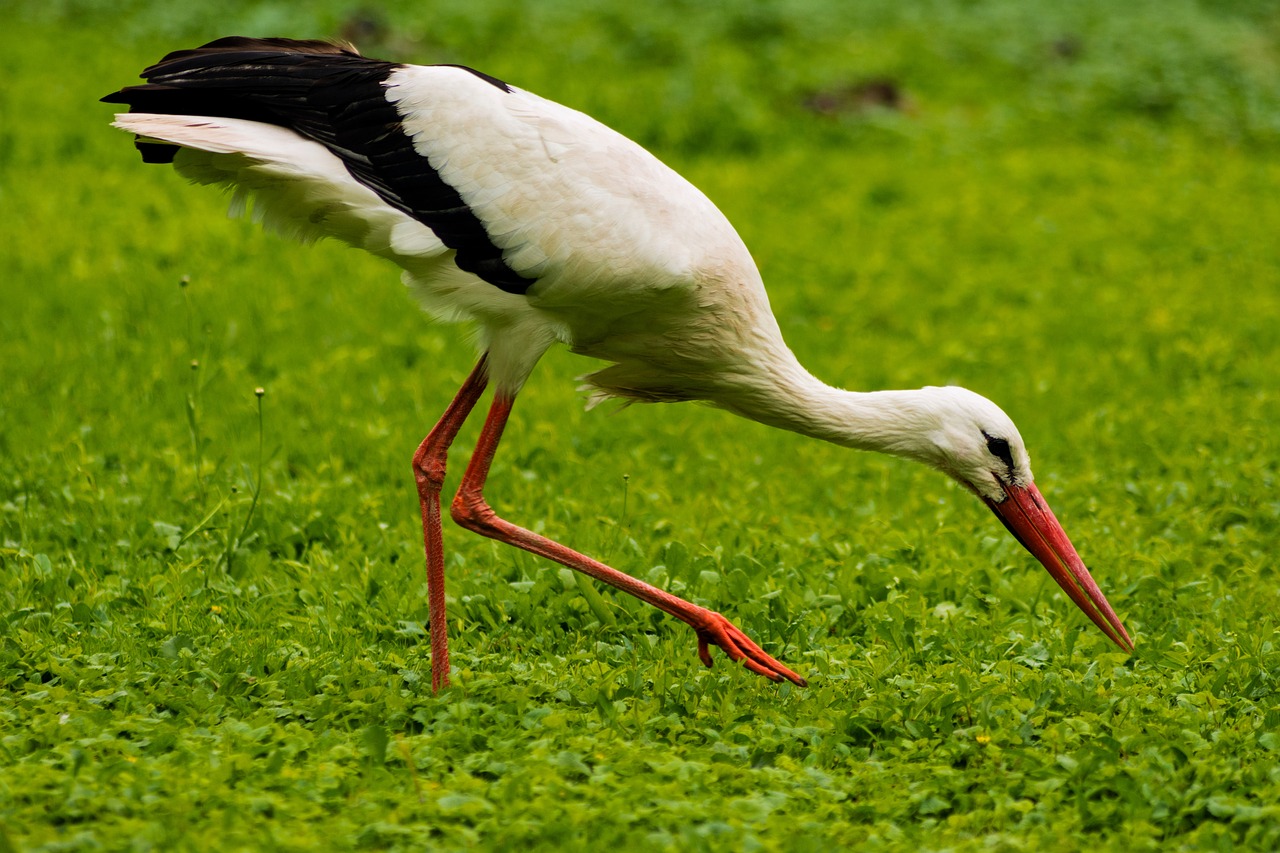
(282, 179)
(263, 143)
(264, 80)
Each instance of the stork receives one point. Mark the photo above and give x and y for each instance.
(542, 226)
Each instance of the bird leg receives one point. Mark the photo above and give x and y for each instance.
(471, 511)
(428, 470)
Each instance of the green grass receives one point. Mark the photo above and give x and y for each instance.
(205, 647)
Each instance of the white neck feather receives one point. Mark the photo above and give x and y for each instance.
(947, 428)
(783, 394)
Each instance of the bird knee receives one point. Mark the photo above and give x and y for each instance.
(469, 510)
(429, 470)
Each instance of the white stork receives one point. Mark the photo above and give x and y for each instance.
(543, 226)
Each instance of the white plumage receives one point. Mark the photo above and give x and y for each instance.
(542, 225)
(610, 233)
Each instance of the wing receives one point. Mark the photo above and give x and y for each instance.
(525, 195)
(571, 203)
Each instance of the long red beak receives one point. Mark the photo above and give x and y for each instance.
(1027, 516)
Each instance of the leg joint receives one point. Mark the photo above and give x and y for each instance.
(429, 467)
(470, 510)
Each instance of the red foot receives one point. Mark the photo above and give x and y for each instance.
(714, 629)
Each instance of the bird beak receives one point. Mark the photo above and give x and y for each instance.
(1027, 516)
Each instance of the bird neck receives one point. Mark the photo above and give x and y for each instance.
(786, 396)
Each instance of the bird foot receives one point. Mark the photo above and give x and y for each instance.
(714, 629)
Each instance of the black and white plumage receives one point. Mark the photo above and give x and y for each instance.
(544, 226)
(502, 207)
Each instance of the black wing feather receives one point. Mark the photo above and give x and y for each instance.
(329, 93)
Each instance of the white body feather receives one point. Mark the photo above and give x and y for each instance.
(633, 264)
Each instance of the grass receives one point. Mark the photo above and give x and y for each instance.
(214, 604)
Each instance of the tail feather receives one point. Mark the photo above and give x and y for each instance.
(299, 187)
(275, 81)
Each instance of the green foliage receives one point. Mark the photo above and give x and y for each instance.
(213, 605)
(689, 76)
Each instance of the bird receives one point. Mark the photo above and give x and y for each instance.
(543, 227)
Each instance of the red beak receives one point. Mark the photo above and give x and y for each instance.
(1027, 516)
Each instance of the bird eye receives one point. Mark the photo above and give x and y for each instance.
(999, 448)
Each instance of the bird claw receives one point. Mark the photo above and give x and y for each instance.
(714, 629)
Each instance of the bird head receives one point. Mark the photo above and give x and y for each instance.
(969, 438)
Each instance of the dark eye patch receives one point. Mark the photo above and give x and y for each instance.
(999, 448)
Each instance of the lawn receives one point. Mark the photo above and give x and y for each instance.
(213, 602)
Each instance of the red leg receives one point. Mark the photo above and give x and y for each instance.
(472, 512)
(428, 469)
